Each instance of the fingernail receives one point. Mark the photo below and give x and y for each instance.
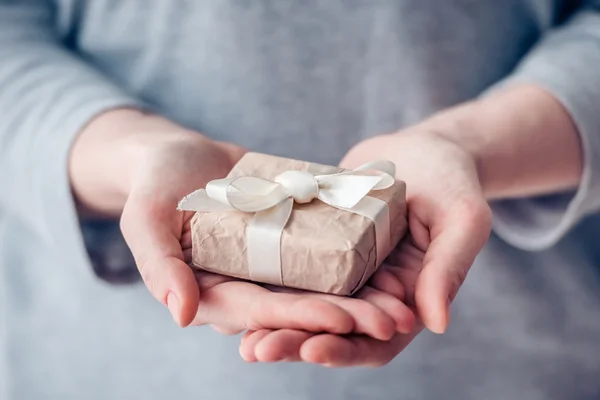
(444, 322)
(174, 306)
(438, 321)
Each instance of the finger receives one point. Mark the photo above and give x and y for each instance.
(244, 305)
(355, 350)
(281, 345)
(396, 309)
(387, 282)
(447, 261)
(151, 233)
(249, 342)
(299, 312)
(368, 318)
(187, 256)
(226, 331)
(419, 234)
(186, 240)
(406, 264)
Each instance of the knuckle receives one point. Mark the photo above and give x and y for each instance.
(131, 212)
(477, 212)
(136, 210)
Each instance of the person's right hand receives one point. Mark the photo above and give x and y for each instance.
(138, 166)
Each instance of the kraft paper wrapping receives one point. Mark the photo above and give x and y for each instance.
(323, 249)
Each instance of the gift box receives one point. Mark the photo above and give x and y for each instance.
(297, 224)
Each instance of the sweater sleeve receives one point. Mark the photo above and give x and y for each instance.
(47, 95)
(566, 63)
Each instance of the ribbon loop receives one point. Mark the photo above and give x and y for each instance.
(251, 194)
(345, 191)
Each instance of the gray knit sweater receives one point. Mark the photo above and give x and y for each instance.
(296, 78)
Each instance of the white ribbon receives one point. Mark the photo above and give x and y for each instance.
(272, 203)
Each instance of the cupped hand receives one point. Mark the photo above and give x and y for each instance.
(164, 162)
(449, 223)
(268, 345)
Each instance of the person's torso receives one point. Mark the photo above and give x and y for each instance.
(305, 79)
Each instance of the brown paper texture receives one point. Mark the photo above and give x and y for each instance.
(323, 249)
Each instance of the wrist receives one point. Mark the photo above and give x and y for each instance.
(522, 140)
(459, 125)
(107, 154)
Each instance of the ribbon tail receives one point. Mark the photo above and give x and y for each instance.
(386, 170)
(263, 238)
(199, 201)
(385, 166)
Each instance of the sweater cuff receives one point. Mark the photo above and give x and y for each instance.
(64, 231)
(538, 223)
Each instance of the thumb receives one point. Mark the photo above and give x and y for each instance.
(456, 241)
(152, 232)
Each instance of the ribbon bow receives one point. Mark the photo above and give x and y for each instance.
(272, 202)
(251, 194)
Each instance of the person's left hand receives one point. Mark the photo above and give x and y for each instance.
(331, 350)
(449, 223)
